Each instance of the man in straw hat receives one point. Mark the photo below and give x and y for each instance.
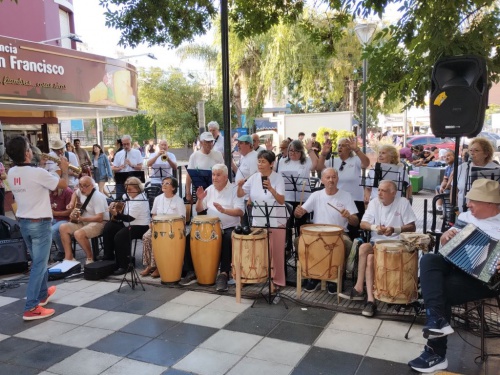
(58, 151)
(443, 285)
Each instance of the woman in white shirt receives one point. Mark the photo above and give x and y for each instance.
(267, 188)
(117, 236)
(168, 203)
(481, 155)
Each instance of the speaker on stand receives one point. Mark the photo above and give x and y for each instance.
(459, 97)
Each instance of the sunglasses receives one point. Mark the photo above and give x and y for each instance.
(342, 166)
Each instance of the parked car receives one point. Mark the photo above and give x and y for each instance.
(431, 141)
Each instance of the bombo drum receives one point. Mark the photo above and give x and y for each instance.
(169, 242)
(250, 257)
(396, 266)
(206, 241)
(321, 251)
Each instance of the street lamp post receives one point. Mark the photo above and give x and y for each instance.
(73, 37)
(150, 55)
(364, 32)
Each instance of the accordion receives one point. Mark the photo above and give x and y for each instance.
(475, 253)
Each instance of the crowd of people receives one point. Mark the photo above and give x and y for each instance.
(269, 191)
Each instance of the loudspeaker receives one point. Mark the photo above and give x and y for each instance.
(13, 256)
(459, 96)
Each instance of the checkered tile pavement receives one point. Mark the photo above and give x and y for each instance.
(168, 330)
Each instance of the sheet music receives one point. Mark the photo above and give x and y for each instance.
(293, 186)
(481, 172)
(277, 214)
(160, 171)
(63, 266)
(386, 172)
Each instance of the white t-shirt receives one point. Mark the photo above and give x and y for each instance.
(168, 206)
(277, 213)
(397, 214)
(166, 169)
(462, 178)
(391, 172)
(219, 144)
(247, 167)
(303, 171)
(133, 155)
(227, 198)
(52, 167)
(97, 204)
(491, 225)
(31, 187)
(323, 213)
(349, 176)
(199, 160)
(138, 208)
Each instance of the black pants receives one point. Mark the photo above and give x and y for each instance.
(117, 239)
(225, 255)
(443, 286)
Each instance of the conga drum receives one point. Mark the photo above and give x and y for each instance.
(169, 243)
(206, 242)
(396, 267)
(418, 241)
(321, 253)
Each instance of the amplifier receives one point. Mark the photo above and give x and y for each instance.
(13, 256)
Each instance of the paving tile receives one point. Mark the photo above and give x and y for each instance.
(148, 326)
(14, 289)
(279, 351)
(8, 369)
(78, 315)
(211, 318)
(130, 367)
(345, 341)
(4, 337)
(7, 300)
(370, 366)
(44, 356)
(161, 352)
(173, 311)
(253, 324)
(84, 362)
(173, 371)
(393, 350)
(295, 332)
(11, 324)
(81, 337)
(195, 299)
(187, 334)
(262, 308)
(396, 331)
(355, 323)
(324, 361)
(109, 301)
(14, 347)
(76, 298)
(231, 342)
(138, 306)
(207, 362)
(160, 293)
(119, 343)
(113, 320)
(228, 303)
(15, 307)
(46, 331)
(311, 316)
(252, 366)
(76, 285)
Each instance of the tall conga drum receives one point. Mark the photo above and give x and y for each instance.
(206, 242)
(396, 267)
(169, 243)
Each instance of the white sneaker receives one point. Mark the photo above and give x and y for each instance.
(89, 260)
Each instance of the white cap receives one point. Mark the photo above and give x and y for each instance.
(207, 136)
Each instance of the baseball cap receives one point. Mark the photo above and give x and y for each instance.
(207, 136)
(245, 138)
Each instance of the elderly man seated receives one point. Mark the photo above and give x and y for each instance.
(386, 217)
(86, 222)
(444, 285)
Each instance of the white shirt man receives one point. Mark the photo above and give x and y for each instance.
(162, 168)
(128, 159)
(57, 151)
(248, 160)
(256, 143)
(213, 127)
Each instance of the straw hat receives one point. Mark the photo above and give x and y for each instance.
(57, 144)
(484, 190)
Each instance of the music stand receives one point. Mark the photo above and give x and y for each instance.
(121, 177)
(294, 184)
(134, 276)
(383, 171)
(160, 172)
(200, 177)
(266, 211)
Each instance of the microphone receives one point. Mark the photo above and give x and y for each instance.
(264, 178)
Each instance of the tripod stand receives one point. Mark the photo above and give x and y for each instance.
(266, 211)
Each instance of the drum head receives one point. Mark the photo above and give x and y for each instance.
(205, 219)
(390, 245)
(321, 228)
(166, 218)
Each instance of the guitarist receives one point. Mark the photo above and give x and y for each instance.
(84, 158)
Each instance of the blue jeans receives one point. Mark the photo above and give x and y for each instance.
(38, 238)
(56, 236)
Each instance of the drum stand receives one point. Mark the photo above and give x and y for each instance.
(134, 276)
(270, 298)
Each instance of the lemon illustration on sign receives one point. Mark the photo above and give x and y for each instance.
(440, 99)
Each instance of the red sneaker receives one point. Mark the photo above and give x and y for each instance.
(38, 313)
(50, 293)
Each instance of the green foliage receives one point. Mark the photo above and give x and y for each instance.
(140, 127)
(335, 135)
(158, 22)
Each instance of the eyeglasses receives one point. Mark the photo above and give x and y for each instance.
(294, 151)
(166, 183)
(84, 186)
(475, 150)
(342, 166)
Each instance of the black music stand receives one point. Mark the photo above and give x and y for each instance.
(121, 177)
(294, 183)
(160, 171)
(134, 276)
(200, 177)
(384, 171)
(475, 173)
(266, 211)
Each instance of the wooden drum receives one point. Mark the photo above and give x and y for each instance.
(206, 242)
(169, 243)
(396, 267)
(250, 257)
(321, 251)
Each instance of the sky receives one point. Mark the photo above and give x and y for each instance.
(100, 40)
